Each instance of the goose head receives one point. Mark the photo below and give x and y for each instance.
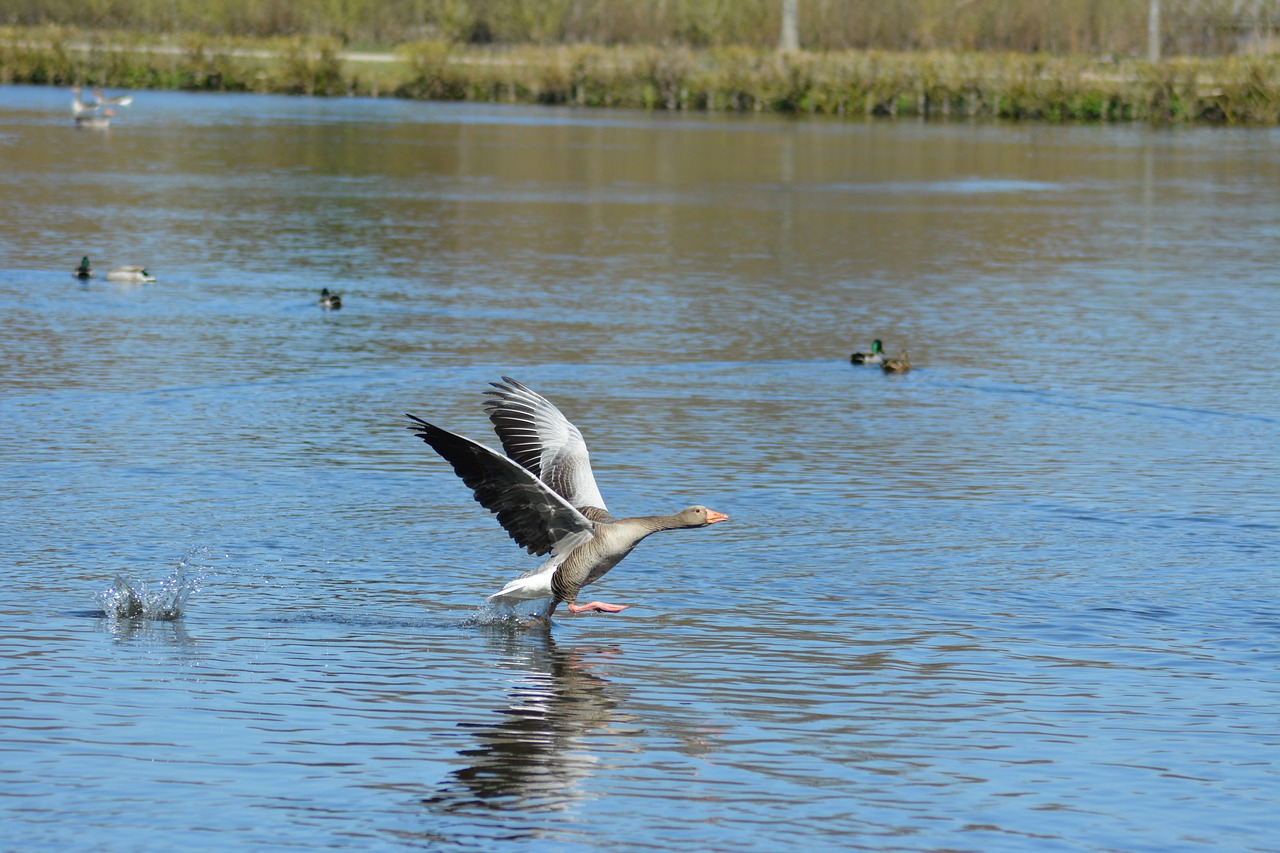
(700, 516)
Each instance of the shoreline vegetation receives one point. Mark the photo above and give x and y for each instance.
(1230, 90)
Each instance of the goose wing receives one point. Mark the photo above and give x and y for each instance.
(536, 434)
(538, 519)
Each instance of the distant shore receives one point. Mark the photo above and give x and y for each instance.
(1040, 87)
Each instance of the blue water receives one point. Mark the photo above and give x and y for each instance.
(1022, 597)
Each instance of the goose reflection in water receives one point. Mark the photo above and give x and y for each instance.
(534, 756)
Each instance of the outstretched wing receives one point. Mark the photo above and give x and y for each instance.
(534, 433)
(538, 519)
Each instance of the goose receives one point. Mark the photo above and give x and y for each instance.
(330, 300)
(899, 364)
(95, 119)
(79, 106)
(876, 356)
(84, 270)
(118, 101)
(135, 274)
(546, 498)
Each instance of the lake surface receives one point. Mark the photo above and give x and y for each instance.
(1022, 597)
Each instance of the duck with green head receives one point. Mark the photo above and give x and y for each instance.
(84, 270)
(330, 300)
(129, 274)
(876, 356)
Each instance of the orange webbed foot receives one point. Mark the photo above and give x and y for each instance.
(598, 606)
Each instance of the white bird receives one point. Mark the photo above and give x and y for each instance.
(545, 496)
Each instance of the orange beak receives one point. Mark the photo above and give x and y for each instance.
(713, 516)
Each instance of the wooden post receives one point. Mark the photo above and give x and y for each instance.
(1153, 30)
(790, 39)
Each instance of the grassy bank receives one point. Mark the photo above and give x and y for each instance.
(1090, 27)
(1227, 90)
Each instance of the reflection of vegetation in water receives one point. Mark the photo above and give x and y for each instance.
(163, 601)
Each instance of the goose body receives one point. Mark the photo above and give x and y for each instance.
(546, 498)
(131, 274)
(95, 119)
(876, 356)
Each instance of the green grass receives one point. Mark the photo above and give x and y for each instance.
(1089, 27)
(1225, 90)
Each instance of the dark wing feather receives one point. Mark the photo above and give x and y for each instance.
(538, 519)
(536, 434)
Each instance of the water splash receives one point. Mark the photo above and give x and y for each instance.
(164, 601)
(504, 619)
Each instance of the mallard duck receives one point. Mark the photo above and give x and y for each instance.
(135, 274)
(874, 357)
(899, 364)
(84, 270)
(330, 300)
